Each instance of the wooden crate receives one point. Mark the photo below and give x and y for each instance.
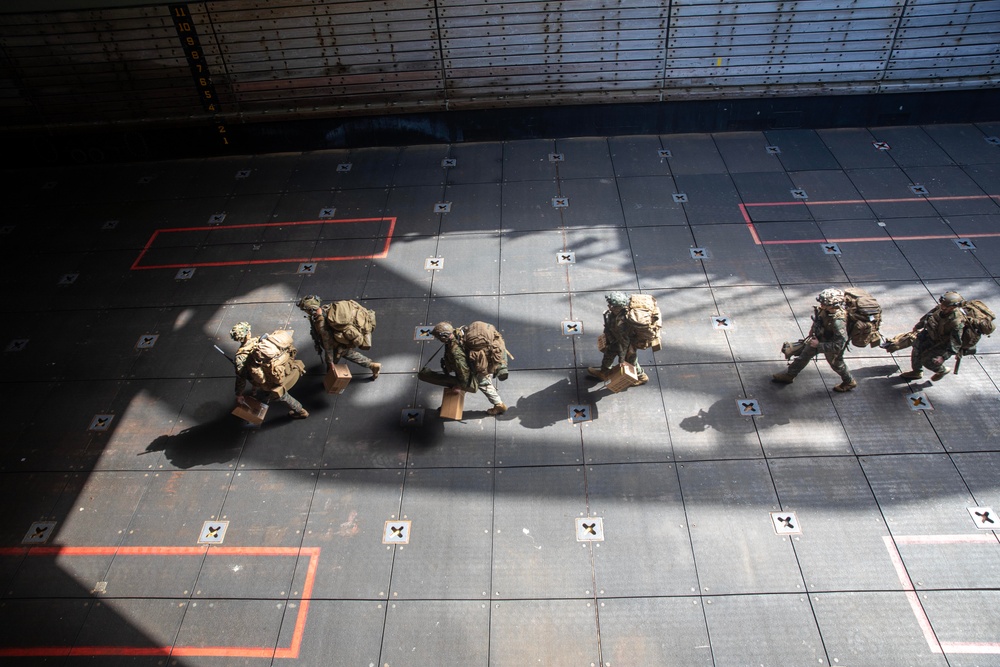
(622, 377)
(337, 379)
(253, 412)
(452, 404)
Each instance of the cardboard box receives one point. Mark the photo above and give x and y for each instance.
(622, 377)
(253, 412)
(452, 404)
(337, 379)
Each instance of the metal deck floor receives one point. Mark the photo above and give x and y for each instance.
(709, 517)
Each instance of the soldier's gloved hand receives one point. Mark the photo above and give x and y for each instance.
(239, 399)
(938, 361)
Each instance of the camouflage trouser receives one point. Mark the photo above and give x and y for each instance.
(835, 359)
(285, 398)
(353, 355)
(485, 383)
(290, 401)
(629, 355)
(922, 356)
(350, 354)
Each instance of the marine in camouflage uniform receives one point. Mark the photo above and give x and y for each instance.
(329, 348)
(939, 338)
(618, 342)
(469, 377)
(241, 334)
(829, 335)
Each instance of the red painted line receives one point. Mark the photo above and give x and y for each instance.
(138, 266)
(750, 226)
(145, 249)
(249, 262)
(834, 202)
(911, 595)
(756, 237)
(970, 538)
(873, 239)
(971, 647)
(388, 236)
(291, 651)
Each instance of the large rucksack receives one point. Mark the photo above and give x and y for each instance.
(352, 324)
(978, 323)
(900, 342)
(864, 317)
(644, 321)
(485, 347)
(271, 361)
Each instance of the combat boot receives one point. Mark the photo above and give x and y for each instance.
(912, 375)
(940, 374)
(846, 386)
(497, 409)
(594, 371)
(300, 414)
(376, 368)
(783, 378)
(642, 379)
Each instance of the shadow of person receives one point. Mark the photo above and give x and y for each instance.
(544, 407)
(881, 371)
(216, 441)
(429, 432)
(723, 417)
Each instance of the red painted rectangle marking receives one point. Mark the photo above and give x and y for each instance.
(290, 651)
(745, 211)
(919, 614)
(159, 234)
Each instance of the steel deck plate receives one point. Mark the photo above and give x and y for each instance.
(764, 629)
(446, 559)
(684, 485)
(727, 505)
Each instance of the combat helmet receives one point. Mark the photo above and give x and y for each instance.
(619, 299)
(831, 296)
(953, 299)
(309, 303)
(442, 330)
(240, 331)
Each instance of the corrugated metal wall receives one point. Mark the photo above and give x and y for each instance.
(251, 60)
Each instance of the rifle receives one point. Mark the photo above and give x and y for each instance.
(231, 360)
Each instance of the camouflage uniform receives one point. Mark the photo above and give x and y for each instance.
(829, 330)
(618, 343)
(469, 378)
(940, 336)
(327, 347)
(241, 334)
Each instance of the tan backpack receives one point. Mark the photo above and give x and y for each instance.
(271, 360)
(352, 324)
(864, 317)
(978, 323)
(485, 347)
(644, 321)
(900, 341)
